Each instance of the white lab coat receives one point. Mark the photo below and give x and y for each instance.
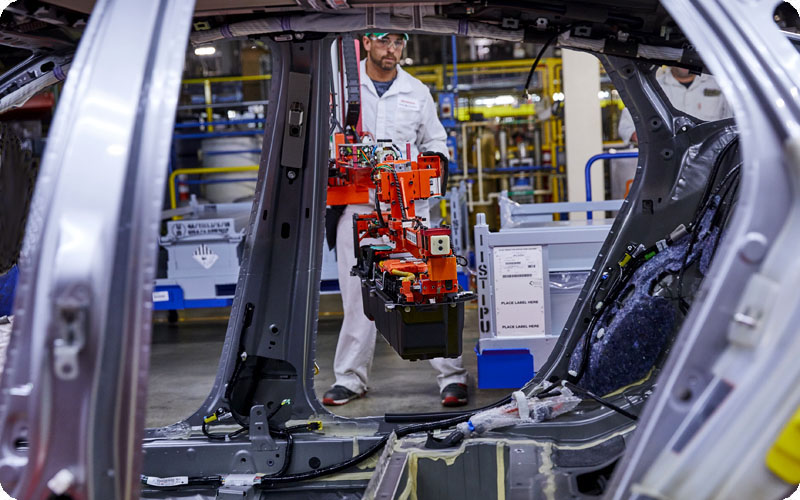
(405, 113)
(703, 99)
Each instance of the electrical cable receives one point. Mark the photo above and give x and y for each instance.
(214, 480)
(285, 402)
(397, 418)
(217, 480)
(221, 437)
(269, 481)
(709, 194)
(404, 431)
(723, 183)
(587, 345)
(381, 222)
(733, 173)
(611, 297)
(251, 390)
(456, 436)
(440, 415)
(550, 391)
(624, 275)
(245, 427)
(287, 454)
(726, 217)
(310, 426)
(600, 400)
(335, 124)
(539, 57)
(715, 169)
(723, 211)
(287, 434)
(399, 194)
(282, 478)
(617, 287)
(397, 150)
(711, 191)
(249, 308)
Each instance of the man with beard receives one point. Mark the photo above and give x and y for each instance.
(396, 106)
(696, 95)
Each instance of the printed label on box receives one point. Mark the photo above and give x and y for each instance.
(188, 228)
(519, 291)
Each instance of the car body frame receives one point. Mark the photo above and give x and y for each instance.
(73, 389)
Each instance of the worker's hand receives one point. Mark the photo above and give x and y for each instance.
(634, 139)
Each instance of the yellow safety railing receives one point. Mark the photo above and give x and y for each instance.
(173, 201)
(497, 111)
(206, 82)
(435, 73)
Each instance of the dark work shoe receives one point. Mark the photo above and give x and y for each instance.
(455, 395)
(339, 395)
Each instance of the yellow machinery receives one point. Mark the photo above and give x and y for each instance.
(548, 185)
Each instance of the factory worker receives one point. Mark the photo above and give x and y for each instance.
(396, 106)
(696, 95)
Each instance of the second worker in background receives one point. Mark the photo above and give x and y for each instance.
(396, 106)
(697, 95)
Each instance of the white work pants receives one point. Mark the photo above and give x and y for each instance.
(356, 346)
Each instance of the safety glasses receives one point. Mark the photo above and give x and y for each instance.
(385, 43)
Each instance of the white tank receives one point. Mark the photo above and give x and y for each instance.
(227, 192)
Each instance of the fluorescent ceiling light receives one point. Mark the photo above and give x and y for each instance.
(501, 100)
(205, 51)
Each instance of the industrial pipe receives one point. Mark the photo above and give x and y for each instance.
(204, 135)
(173, 201)
(220, 122)
(588, 171)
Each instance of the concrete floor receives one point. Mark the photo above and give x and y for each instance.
(184, 360)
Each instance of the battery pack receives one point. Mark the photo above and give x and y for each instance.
(416, 331)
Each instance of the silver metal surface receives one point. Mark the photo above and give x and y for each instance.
(543, 212)
(757, 68)
(280, 284)
(287, 215)
(81, 334)
(72, 390)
